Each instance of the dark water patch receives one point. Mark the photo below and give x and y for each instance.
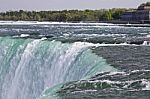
(126, 58)
(133, 85)
(108, 95)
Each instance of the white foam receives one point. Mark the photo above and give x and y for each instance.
(147, 83)
(99, 35)
(43, 38)
(97, 45)
(134, 71)
(44, 23)
(84, 91)
(24, 35)
(146, 43)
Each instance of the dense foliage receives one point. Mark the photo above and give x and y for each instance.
(64, 16)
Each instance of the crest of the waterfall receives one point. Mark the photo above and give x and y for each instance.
(64, 62)
(34, 65)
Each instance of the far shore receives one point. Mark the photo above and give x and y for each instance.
(107, 23)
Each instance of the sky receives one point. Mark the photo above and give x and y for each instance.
(37, 5)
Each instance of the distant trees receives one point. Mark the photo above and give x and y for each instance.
(148, 4)
(107, 15)
(145, 4)
(67, 15)
(64, 15)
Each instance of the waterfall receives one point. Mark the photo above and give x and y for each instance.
(29, 66)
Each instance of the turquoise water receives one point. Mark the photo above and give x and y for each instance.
(30, 66)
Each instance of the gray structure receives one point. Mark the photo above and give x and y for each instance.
(141, 14)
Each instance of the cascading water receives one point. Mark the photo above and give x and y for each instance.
(29, 66)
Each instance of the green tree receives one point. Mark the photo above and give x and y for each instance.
(107, 15)
(147, 4)
(37, 17)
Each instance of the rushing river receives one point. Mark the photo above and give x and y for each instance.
(50, 60)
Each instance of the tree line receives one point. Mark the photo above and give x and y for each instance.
(64, 15)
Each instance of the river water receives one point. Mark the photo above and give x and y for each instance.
(51, 60)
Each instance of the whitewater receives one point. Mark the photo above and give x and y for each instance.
(29, 66)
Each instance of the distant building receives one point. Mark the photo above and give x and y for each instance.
(140, 14)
